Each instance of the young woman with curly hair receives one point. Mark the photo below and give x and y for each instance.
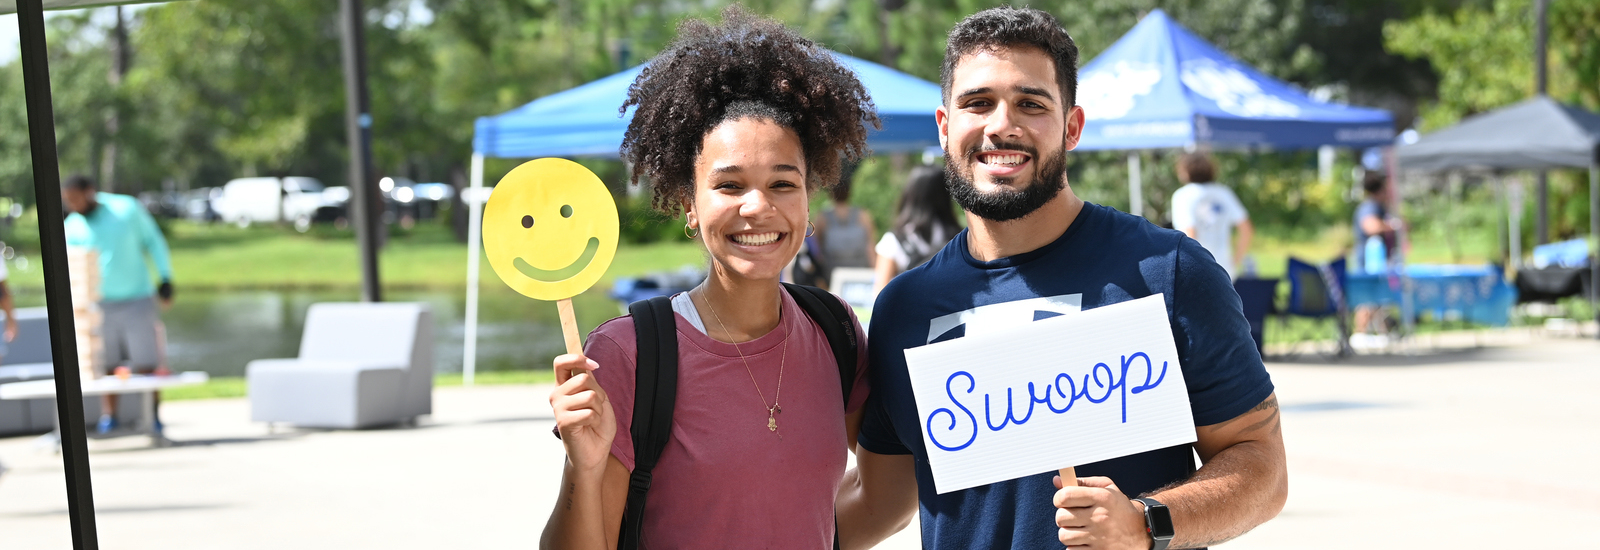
(736, 125)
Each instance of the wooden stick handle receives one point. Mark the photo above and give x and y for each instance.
(569, 326)
(1069, 477)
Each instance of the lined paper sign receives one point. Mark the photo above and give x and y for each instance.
(1055, 393)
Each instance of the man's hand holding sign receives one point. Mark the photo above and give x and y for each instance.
(1076, 389)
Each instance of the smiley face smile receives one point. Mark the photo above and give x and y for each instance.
(551, 276)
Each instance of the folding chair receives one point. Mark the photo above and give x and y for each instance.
(1317, 292)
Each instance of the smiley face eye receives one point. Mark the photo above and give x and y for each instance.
(527, 221)
(566, 210)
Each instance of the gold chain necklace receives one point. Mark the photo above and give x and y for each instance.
(774, 409)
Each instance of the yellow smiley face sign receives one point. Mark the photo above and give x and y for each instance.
(550, 229)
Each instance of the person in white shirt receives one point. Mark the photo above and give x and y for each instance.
(1207, 211)
(924, 222)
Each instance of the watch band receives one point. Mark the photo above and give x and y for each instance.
(1157, 523)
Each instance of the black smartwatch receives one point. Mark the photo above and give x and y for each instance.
(1157, 522)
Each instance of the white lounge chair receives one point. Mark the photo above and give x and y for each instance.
(360, 365)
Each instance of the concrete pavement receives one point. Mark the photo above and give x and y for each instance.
(1476, 448)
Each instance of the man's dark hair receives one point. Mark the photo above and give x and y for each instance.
(1198, 166)
(1007, 27)
(747, 67)
(78, 182)
(1373, 181)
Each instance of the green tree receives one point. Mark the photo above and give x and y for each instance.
(1484, 57)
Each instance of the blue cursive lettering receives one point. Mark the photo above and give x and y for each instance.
(1108, 381)
(971, 384)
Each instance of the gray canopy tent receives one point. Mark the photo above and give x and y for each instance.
(1537, 134)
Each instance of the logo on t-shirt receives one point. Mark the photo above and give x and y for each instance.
(1208, 212)
(993, 318)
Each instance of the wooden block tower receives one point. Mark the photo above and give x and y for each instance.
(83, 265)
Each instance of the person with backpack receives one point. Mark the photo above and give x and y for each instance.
(846, 232)
(924, 222)
(722, 416)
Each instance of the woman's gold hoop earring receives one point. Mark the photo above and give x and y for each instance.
(686, 232)
(810, 229)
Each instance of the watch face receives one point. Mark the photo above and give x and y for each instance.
(1160, 521)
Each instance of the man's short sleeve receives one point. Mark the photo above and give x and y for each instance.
(1221, 366)
(877, 432)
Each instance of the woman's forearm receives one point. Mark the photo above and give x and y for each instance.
(578, 521)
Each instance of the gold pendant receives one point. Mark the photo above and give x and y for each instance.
(772, 424)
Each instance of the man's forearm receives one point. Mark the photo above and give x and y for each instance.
(1242, 486)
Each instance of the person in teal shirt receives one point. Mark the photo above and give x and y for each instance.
(128, 241)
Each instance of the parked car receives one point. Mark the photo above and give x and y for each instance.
(335, 207)
(400, 201)
(162, 204)
(430, 197)
(270, 200)
(198, 204)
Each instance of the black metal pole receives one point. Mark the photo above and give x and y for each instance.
(358, 128)
(1542, 36)
(57, 282)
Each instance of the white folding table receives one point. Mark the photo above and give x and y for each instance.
(108, 385)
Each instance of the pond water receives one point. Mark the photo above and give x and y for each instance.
(218, 332)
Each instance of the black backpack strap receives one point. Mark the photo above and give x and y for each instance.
(830, 314)
(654, 394)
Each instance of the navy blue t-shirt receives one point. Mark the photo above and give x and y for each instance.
(1103, 258)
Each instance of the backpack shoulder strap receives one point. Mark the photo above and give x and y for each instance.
(655, 393)
(830, 314)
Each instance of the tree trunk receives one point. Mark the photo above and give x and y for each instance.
(119, 68)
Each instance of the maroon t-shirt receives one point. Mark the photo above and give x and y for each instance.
(724, 478)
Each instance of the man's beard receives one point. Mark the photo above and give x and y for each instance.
(1004, 204)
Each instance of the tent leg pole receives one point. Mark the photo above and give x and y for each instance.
(1135, 191)
(1514, 221)
(57, 281)
(1594, 237)
(469, 357)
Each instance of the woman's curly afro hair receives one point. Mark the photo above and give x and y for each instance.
(746, 67)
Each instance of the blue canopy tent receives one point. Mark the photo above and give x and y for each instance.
(584, 122)
(1160, 86)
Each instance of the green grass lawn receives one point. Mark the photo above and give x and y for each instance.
(224, 257)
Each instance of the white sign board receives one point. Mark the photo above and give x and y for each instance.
(1055, 393)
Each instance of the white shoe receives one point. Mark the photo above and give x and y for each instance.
(1362, 341)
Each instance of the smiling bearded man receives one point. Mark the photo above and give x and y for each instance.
(1034, 250)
